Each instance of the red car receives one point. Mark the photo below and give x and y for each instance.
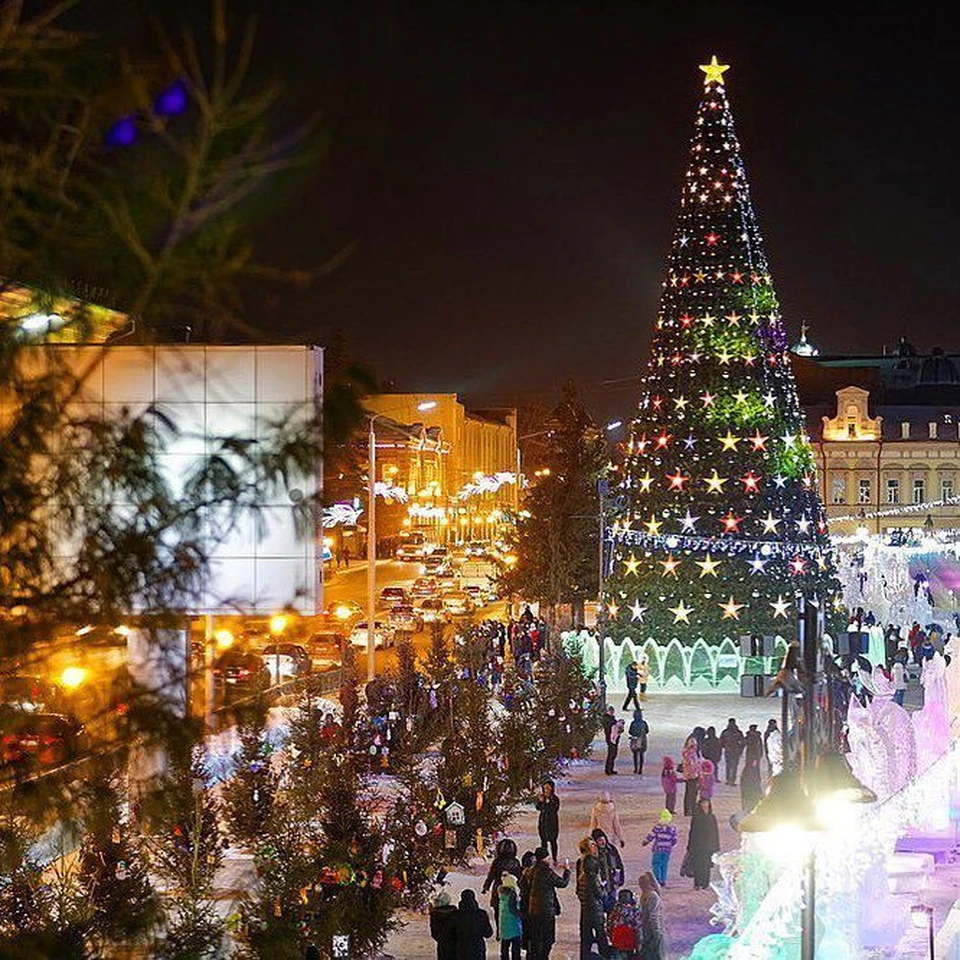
(47, 739)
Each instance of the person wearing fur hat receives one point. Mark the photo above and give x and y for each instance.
(443, 926)
(663, 836)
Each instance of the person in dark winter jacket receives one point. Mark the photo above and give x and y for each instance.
(542, 905)
(732, 742)
(443, 926)
(611, 867)
(713, 750)
(473, 928)
(638, 732)
(632, 676)
(703, 843)
(505, 861)
(548, 819)
(590, 894)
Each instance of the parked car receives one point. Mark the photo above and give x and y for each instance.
(327, 640)
(286, 661)
(405, 619)
(32, 694)
(430, 609)
(382, 635)
(390, 596)
(434, 566)
(424, 587)
(456, 602)
(241, 672)
(47, 739)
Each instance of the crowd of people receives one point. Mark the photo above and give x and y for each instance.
(524, 902)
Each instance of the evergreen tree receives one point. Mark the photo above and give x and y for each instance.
(556, 537)
(249, 795)
(527, 759)
(113, 868)
(566, 711)
(721, 523)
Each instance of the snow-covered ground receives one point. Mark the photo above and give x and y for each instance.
(639, 801)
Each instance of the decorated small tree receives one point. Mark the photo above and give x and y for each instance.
(112, 870)
(527, 758)
(249, 795)
(565, 713)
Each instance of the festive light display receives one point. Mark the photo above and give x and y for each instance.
(722, 524)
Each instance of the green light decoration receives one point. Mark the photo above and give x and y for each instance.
(719, 522)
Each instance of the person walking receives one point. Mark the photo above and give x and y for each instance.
(708, 777)
(443, 926)
(731, 740)
(702, 843)
(690, 768)
(543, 904)
(473, 928)
(504, 861)
(632, 677)
(625, 927)
(712, 750)
(899, 672)
(548, 817)
(612, 730)
(668, 783)
(611, 867)
(663, 836)
(590, 894)
(643, 674)
(773, 747)
(604, 817)
(638, 732)
(651, 911)
(509, 920)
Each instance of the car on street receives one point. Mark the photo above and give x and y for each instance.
(45, 739)
(286, 661)
(456, 602)
(241, 671)
(405, 619)
(391, 596)
(477, 548)
(382, 635)
(478, 596)
(424, 587)
(31, 694)
(430, 609)
(328, 640)
(435, 566)
(344, 611)
(412, 547)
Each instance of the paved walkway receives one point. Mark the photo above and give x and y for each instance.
(639, 801)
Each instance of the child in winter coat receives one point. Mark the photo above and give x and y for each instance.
(664, 838)
(624, 924)
(668, 781)
(508, 914)
(707, 780)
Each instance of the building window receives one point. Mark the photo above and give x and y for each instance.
(839, 490)
(863, 490)
(932, 427)
(919, 490)
(946, 488)
(905, 431)
(893, 490)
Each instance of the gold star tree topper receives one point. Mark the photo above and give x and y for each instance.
(713, 71)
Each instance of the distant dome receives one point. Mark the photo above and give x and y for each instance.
(803, 347)
(938, 370)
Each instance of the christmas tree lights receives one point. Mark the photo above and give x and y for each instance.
(722, 523)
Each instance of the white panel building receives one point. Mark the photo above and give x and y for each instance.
(211, 392)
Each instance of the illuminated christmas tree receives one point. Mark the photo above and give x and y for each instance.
(720, 523)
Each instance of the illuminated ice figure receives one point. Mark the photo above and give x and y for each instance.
(931, 725)
(883, 752)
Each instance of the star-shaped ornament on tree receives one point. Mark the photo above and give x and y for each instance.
(780, 606)
(681, 613)
(757, 564)
(731, 609)
(731, 524)
(689, 522)
(670, 565)
(631, 565)
(637, 611)
(677, 480)
(653, 525)
(715, 483)
(797, 566)
(645, 481)
(713, 71)
(751, 482)
(730, 441)
(708, 566)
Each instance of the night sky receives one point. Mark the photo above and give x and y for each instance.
(510, 172)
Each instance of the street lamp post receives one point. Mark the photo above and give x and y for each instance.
(602, 488)
(372, 551)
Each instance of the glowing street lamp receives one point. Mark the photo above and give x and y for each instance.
(73, 677)
(278, 624)
(224, 639)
